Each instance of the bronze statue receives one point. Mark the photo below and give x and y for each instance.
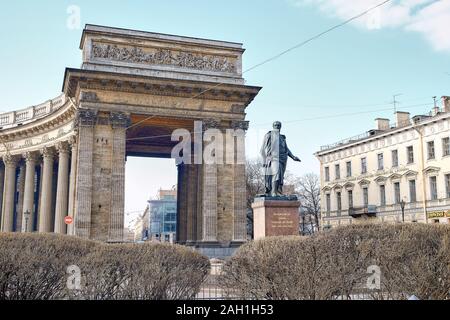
(275, 153)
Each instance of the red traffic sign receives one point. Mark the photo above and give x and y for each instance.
(68, 220)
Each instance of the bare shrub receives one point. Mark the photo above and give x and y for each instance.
(145, 271)
(413, 259)
(33, 266)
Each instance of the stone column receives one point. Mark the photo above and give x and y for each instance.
(45, 208)
(2, 181)
(20, 197)
(72, 183)
(209, 202)
(119, 122)
(8, 194)
(209, 227)
(239, 183)
(62, 191)
(191, 202)
(28, 194)
(182, 218)
(83, 199)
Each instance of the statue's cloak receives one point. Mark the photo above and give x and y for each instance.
(274, 154)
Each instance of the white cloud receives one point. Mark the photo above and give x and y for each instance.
(430, 18)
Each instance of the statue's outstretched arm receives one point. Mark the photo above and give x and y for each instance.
(291, 155)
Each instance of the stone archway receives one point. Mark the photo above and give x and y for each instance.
(133, 89)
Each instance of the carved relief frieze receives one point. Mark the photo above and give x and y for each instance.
(182, 59)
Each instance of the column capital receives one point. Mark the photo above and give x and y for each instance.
(85, 117)
(72, 141)
(31, 156)
(210, 124)
(10, 160)
(119, 119)
(63, 147)
(240, 124)
(48, 152)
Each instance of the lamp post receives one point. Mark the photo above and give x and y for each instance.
(402, 206)
(27, 216)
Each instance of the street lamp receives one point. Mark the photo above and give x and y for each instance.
(27, 216)
(402, 205)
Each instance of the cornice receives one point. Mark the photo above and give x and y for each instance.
(100, 80)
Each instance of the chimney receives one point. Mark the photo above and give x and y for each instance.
(402, 119)
(381, 124)
(445, 103)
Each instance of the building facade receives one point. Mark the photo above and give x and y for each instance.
(396, 172)
(159, 220)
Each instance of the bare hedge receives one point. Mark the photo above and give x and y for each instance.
(145, 271)
(413, 259)
(35, 266)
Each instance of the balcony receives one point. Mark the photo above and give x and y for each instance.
(357, 212)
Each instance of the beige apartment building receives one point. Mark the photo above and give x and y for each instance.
(395, 172)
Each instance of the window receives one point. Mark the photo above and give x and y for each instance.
(366, 196)
(447, 185)
(349, 168)
(350, 198)
(412, 191)
(337, 168)
(397, 197)
(382, 195)
(410, 154)
(433, 188)
(445, 147)
(430, 149)
(328, 203)
(394, 158)
(327, 174)
(363, 165)
(380, 161)
(338, 201)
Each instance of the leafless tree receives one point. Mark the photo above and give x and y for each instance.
(254, 178)
(308, 189)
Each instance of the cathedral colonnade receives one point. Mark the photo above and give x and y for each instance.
(38, 160)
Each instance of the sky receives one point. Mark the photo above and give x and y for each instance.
(327, 90)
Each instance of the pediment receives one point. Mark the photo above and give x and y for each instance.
(410, 173)
(364, 182)
(380, 179)
(349, 185)
(337, 187)
(431, 169)
(395, 176)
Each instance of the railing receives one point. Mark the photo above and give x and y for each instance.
(345, 141)
(18, 117)
(392, 126)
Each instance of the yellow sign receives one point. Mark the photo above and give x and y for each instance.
(439, 214)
